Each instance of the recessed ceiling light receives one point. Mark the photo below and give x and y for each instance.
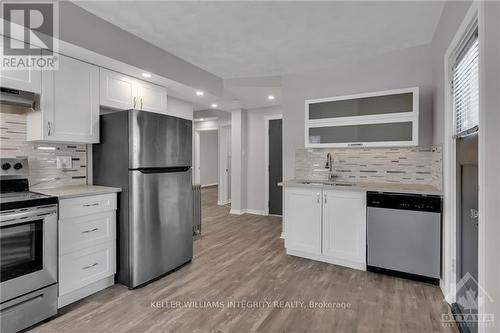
(200, 93)
(214, 105)
(146, 74)
(270, 97)
(201, 119)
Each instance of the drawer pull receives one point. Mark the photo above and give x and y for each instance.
(91, 230)
(90, 266)
(90, 205)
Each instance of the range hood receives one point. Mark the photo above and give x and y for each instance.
(21, 98)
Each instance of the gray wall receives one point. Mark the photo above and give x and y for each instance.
(397, 69)
(255, 162)
(79, 27)
(209, 157)
(451, 18)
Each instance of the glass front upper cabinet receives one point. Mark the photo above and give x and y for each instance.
(385, 118)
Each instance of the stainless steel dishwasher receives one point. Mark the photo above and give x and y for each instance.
(404, 235)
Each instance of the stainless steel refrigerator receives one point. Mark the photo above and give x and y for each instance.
(148, 155)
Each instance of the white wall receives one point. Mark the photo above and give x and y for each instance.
(179, 108)
(209, 172)
(397, 69)
(255, 151)
(238, 161)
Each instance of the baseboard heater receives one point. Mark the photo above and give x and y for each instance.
(197, 210)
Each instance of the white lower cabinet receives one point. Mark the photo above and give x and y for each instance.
(326, 225)
(344, 227)
(303, 220)
(87, 246)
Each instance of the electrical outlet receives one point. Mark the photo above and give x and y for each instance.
(64, 162)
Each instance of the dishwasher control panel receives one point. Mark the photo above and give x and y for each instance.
(416, 202)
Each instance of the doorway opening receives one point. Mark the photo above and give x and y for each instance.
(273, 164)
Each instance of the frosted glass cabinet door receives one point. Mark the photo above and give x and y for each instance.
(365, 106)
(359, 134)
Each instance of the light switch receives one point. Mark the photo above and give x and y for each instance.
(64, 162)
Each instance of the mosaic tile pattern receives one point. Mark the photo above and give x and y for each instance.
(42, 163)
(408, 165)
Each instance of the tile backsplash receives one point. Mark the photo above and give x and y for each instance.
(409, 165)
(42, 163)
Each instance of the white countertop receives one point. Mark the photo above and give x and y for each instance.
(368, 186)
(73, 191)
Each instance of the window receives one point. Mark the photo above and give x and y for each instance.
(465, 87)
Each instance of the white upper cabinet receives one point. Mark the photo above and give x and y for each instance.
(303, 220)
(118, 91)
(344, 225)
(25, 79)
(122, 92)
(69, 104)
(384, 118)
(151, 97)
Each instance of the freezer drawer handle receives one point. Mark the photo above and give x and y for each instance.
(90, 266)
(91, 230)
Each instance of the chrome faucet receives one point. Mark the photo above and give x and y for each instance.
(329, 166)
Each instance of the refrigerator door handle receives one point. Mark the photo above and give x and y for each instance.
(162, 170)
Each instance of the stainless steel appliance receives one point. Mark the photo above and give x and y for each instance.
(148, 155)
(21, 98)
(404, 235)
(28, 256)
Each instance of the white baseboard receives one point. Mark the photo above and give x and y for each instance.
(237, 211)
(209, 185)
(247, 211)
(255, 211)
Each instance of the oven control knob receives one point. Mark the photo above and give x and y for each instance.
(18, 166)
(6, 166)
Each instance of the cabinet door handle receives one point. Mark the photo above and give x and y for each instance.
(141, 103)
(91, 230)
(135, 98)
(355, 144)
(317, 197)
(90, 266)
(50, 128)
(325, 198)
(90, 205)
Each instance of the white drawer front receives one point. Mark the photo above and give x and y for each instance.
(80, 268)
(86, 205)
(76, 233)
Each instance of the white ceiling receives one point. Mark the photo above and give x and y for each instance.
(249, 39)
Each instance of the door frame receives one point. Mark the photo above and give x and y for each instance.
(196, 162)
(450, 217)
(223, 159)
(266, 159)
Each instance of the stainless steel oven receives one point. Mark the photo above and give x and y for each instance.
(28, 254)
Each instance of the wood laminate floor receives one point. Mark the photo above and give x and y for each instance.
(241, 259)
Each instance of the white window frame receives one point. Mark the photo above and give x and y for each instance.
(363, 120)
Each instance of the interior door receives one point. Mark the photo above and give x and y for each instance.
(275, 166)
(467, 231)
(161, 222)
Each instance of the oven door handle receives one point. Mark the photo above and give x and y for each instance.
(15, 218)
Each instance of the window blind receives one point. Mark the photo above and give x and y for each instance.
(465, 87)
